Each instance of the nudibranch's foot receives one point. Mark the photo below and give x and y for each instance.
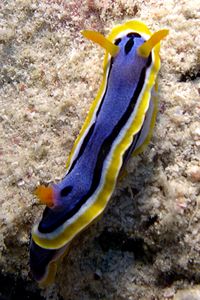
(44, 263)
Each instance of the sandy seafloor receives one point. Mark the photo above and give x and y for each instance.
(147, 244)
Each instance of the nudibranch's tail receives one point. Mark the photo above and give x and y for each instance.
(145, 49)
(101, 40)
(44, 262)
(46, 195)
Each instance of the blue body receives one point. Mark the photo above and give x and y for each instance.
(125, 81)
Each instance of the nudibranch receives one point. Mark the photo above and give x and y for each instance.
(119, 124)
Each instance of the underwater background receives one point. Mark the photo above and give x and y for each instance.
(147, 243)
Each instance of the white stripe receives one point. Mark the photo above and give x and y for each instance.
(78, 147)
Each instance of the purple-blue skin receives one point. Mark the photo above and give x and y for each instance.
(125, 81)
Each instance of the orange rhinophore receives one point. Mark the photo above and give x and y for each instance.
(45, 195)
